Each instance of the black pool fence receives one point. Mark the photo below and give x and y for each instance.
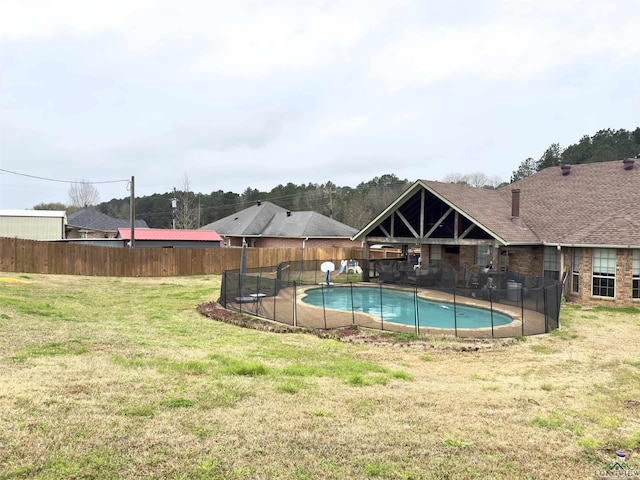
(276, 293)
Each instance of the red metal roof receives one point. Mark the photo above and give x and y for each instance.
(169, 234)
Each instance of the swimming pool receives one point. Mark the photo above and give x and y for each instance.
(403, 307)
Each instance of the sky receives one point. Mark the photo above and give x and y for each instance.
(230, 95)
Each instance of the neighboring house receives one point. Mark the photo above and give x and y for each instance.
(583, 220)
(167, 238)
(90, 223)
(33, 224)
(268, 225)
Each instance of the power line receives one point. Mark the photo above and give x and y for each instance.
(61, 181)
(240, 203)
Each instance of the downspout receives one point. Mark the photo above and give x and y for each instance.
(562, 267)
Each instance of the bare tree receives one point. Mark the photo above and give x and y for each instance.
(83, 194)
(186, 213)
(476, 179)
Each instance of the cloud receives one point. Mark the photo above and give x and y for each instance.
(342, 126)
(256, 93)
(29, 19)
(514, 44)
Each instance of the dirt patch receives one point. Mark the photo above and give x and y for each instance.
(355, 334)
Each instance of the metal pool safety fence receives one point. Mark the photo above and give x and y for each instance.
(276, 293)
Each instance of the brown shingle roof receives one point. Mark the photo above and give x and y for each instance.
(486, 207)
(595, 204)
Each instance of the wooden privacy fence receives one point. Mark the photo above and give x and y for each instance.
(31, 256)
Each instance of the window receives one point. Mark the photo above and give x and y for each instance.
(575, 270)
(604, 272)
(435, 254)
(551, 262)
(483, 255)
(635, 289)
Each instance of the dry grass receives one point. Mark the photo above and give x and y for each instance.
(122, 378)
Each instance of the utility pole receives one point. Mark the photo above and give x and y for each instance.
(198, 211)
(330, 192)
(132, 213)
(174, 205)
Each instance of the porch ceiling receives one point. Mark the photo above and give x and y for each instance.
(422, 217)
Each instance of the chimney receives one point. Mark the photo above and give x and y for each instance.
(628, 163)
(515, 203)
(565, 169)
(288, 213)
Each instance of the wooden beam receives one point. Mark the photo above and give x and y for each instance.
(384, 230)
(422, 200)
(456, 218)
(437, 224)
(466, 232)
(404, 220)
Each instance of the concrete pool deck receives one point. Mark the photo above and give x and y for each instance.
(280, 309)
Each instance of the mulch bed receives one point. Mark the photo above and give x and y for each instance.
(215, 311)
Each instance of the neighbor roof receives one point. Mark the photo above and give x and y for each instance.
(169, 234)
(249, 222)
(92, 219)
(306, 224)
(269, 220)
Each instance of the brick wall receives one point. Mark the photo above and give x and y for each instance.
(527, 260)
(624, 281)
(467, 255)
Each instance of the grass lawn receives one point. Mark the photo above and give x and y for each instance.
(112, 378)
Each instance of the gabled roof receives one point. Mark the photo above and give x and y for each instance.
(483, 207)
(249, 222)
(91, 219)
(488, 208)
(594, 204)
(266, 219)
(169, 234)
(306, 224)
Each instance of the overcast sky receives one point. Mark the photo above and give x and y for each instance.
(255, 93)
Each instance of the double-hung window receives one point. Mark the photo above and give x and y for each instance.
(435, 254)
(635, 289)
(551, 262)
(575, 270)
(483, 255)
(604, 272)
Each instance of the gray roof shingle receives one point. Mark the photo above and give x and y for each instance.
(91, 219)
(306, 224)
(249, 222)
(269, 220)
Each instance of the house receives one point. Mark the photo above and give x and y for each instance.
(33, 224)
(167, 238)
(265, 224)
(578, 223)
(90, 223)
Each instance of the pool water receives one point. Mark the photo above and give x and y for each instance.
(401, 307)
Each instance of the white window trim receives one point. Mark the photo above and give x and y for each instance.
(593, 275)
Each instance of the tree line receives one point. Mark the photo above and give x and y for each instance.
(604, 146)
(184, 209)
